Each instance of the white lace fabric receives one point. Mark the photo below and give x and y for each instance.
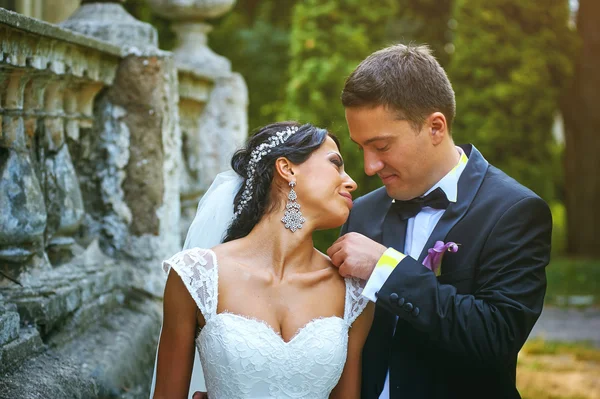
(245, 358)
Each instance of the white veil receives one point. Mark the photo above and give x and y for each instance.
(214, 214)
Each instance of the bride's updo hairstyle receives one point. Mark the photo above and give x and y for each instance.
(297, 148)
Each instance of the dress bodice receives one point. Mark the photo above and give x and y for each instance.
(245, 358)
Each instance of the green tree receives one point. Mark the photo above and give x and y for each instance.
(255, 36)
(511, 61)
(329, 38)
(425, 22)
(582, 119)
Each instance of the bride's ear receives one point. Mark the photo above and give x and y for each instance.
(285, 169)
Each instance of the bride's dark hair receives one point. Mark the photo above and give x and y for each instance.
(297, 148)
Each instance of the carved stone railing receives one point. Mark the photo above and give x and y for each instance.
(213, 99)
(89, 202)
(106, 145)
(47, 86)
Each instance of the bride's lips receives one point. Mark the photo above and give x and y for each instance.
(348, 198)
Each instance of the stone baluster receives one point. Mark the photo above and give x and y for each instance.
(136, 145)
(213, 99)
(63, 196)
(48, 82)
(22, 204)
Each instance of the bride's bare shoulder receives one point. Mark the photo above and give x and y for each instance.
(230, 255)
(225, 249)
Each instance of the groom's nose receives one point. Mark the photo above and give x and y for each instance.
(372, 163)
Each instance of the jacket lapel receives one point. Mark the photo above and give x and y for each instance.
(468, 185)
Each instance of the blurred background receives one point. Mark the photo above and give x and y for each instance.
(527, 80)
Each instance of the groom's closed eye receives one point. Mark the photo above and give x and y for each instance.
(382, 148)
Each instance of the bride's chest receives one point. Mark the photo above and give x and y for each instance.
(236, 342)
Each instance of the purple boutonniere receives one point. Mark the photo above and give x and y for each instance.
(433, 260)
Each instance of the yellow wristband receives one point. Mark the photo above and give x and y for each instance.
(390, 259)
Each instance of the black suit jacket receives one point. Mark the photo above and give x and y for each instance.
(458, 335)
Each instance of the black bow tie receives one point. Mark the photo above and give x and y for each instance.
(407, 209)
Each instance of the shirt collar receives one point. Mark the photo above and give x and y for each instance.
(449, 183)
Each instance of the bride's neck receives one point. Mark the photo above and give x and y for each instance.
(282, 249)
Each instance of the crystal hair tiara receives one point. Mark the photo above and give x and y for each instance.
(257, 154)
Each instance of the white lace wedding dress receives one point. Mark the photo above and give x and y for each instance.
(246, 358)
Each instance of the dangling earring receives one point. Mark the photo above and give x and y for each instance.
(293, 217)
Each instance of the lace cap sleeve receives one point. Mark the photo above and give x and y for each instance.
(355, 302)
(197, 268)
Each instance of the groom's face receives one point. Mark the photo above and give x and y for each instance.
(392, 149)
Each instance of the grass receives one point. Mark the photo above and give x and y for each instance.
(571, 282)
(572, 278)
(563, 370)
(558, 370)
(580, 351)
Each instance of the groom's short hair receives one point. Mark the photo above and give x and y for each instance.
(408, 79)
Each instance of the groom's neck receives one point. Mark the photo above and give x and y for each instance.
(445, 159)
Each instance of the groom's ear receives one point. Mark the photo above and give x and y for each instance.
(438, 129)
(284, 168)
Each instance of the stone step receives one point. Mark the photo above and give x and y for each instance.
(27, 345)
(9, 323)
(113, 358)
(48, 308)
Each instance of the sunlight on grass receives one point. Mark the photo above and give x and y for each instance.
(558, 370)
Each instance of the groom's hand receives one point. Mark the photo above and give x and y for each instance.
(200, 395)
(355, 255)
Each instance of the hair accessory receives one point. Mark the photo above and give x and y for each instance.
(257, 154)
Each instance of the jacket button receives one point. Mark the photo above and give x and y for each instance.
(376, 294)
(393, 297)
(408, 306)
(401, 301)
(416, 312)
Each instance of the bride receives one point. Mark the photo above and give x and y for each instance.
(267, 312)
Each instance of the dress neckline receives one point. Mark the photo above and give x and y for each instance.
(263, 322)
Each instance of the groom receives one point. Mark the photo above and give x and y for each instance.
(452, 329)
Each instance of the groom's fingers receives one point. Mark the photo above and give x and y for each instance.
(338, 257)
(337, 254)
(342, 270)
(334, 248)
(200, 395)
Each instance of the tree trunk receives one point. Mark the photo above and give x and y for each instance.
(581, 110)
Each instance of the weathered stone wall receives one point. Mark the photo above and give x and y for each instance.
(105, 142)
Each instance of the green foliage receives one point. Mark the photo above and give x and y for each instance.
(329, 38)
(511, 62)
(425, 22)
(559, 227)
(256, 38)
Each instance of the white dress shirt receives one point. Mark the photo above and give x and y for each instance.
(418, 230)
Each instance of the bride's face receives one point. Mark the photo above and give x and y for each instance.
(324, 188)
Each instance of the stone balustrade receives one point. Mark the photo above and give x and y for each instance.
(106, 145)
